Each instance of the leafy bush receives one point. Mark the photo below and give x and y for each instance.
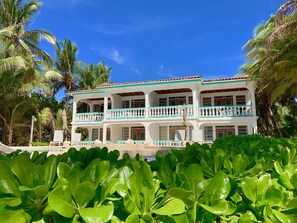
(238, 179)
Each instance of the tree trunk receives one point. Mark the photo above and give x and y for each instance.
(10, 134)
(274, 122)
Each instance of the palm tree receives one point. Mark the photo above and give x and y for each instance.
(90, 76)
(64, 65)
(15, 16)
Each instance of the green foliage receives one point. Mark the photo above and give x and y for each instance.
(40, 144)
(238, 179)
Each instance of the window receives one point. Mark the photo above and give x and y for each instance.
(206, 101)
(126, 104)
(95, 134)
(173, 101)
(223, 101)
(163, 133)
(98, 108)
(162, 101)
(107, 134)
(208, 133)
(190, 100)
(109, 106)
(138, 103)
(242, 130)
(125, 133)
(240, 100)
(222, 131)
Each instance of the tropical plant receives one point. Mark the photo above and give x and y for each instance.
(238, 179)
(90, 76)
(64, 65)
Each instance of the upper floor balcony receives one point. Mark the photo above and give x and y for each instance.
(166, 112)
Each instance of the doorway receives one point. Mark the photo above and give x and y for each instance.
(138, 133)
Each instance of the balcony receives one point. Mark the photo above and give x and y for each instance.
(125, 113)
(170, 111)
(225, 111)
(88, 117)
(166, 112)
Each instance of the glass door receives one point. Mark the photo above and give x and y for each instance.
(138, 133)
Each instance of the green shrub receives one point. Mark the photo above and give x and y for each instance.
(238, 179)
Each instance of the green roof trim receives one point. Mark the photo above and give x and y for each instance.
(224, 82)
(81, 93)
(150, 83)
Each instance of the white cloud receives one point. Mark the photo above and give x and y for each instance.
(136, 71)
(112, 54)
(164, 71)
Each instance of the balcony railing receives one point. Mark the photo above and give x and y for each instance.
(125, 113)
(133, 142)
(167, 112)
(89, 117)
(170, 111)
(225, 111)
(167, 143)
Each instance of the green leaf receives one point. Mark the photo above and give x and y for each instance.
(247, 217)
(284, 218)
(61, 202)
(221, 208)
(133, 218)
(273, 196)
(97, 214)
(84, 193)
(8, 183)
(50, 168)
(195, 178)
(10, 201)
(249, 188)
(63, 170)
(14, 216)
(95, 172)
(25, 170)
(218, 189)
(174, 206)
(186, 196)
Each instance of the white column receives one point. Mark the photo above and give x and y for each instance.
(74, 108)
(253, 100)
(147, 104)
(104, 135)
(73, 129)
(105, 108)
(148, 138)
(195, 102)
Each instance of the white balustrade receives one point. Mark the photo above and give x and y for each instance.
(90, 116)
(126, 113)
(225, 111)
(170, 111)
(167, 143)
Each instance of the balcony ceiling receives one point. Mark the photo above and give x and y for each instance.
(131, 94)
(223, 90)
(172, 91)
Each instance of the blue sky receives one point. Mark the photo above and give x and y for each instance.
(147, 40)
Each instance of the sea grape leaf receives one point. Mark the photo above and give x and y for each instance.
(102, 213)
(61, 202)
(221, 208)
(25, 170)
(195, 177)
(50, 168)
(8, 182)
(273, 196)
(84, 193)
(63, 170)
(284, 218)
(249, 188)
(218, 189)
(14, 216)
(133, 218)
(95, 172)
(174, 206)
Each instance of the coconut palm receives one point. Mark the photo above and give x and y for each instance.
(64, 65)
(15, 15)
(90, 76)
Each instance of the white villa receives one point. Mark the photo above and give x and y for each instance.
(166, 112)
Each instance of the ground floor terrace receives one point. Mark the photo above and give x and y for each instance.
(160, 133)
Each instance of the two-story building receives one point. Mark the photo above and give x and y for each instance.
(166, 112)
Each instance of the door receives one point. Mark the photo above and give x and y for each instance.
(138, 133)
(226, 131)
(224, 101)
